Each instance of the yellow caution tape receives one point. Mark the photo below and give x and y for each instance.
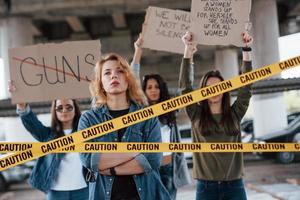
(125, 147)
(147, 113)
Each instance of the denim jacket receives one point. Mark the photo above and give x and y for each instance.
(148, 184)
(46, 168)
(181, 175)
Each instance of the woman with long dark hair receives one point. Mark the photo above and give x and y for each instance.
(219, 175)
(60, 176)
(173, 170)
(121, 176)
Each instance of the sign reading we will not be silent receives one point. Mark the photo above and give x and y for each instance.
(220, 22)
(163, 29)
(46, 72)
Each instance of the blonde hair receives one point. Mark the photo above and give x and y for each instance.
(134, 91)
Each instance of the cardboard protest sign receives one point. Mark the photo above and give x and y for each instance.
(163, 29)
(50, 71)
(220, 22)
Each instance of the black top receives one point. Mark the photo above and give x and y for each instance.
(119, 113)
(124, 186)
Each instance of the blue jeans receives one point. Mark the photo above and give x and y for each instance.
(166, 175)
(81, 194)
(221, 190)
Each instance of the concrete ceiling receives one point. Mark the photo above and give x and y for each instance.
(88, 16)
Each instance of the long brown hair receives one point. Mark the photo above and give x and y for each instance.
(134, 91)
(206, 118)
(168, 118)
(57, 126)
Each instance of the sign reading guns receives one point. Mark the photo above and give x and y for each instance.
(50, 71)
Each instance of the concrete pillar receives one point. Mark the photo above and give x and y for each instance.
(120, 43)
(268, 110)
(226, 61)
(15, 32)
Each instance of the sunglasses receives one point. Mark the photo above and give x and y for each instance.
(68, 108)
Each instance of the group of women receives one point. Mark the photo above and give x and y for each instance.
(116, 90)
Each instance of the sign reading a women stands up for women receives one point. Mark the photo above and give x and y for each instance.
(46, 72)
(220, 22)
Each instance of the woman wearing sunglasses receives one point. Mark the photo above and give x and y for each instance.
(121, 176)
(60, 176)
(219, 175)
(173, 170)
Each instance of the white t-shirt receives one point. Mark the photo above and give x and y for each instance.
(70, 175)
(165, 136)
